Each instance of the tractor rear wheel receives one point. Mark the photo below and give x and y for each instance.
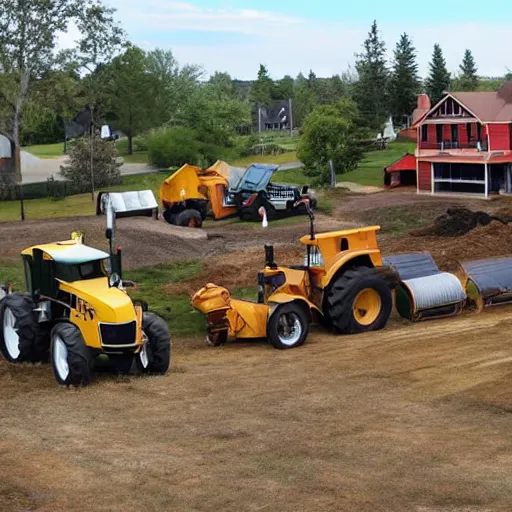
(359, 301)
(288, 326)
(189, 219)
(21, 337)
(70, 356)
(155, 356)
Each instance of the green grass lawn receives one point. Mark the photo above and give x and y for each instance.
(55, 150)
(371, 168)
(282, 158)
(46, 150)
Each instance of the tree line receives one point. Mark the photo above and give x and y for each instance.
(187, 114)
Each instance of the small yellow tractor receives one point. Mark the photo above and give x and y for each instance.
(77, 308)
(342, 283)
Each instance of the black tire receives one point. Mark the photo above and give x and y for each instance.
(189, 218)
(218, 339)
(78, 355)
(121, 364)
(280, 320)
(32, 344)
(158, 346)
(169, 217)
(344, 291)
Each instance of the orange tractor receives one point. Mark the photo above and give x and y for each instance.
(342, 283)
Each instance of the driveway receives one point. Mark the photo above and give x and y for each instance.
(36, 169)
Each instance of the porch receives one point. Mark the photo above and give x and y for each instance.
(481, 179)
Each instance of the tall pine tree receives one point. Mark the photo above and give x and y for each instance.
(439, 79)
(371, 92)
(405, 83)
(262, 88)
(468, 81)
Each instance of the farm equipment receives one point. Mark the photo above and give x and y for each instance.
(342, 283)
(76, 309)
(190, 193)
(346, 284)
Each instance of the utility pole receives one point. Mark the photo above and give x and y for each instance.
(92, 155)
(290, 109)
(17, 164)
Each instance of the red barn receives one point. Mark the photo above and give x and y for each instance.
(464, 144)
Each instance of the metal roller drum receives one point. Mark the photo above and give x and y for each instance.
(413, 265)
(489, 279)
(431, 296)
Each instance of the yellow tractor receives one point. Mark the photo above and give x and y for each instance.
(342, 283)
(77, 308)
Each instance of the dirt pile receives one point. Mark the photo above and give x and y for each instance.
(457, 222)
(144, 241)
(492, 240)
(237, 269)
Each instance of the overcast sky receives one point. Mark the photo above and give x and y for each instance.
(323, 35)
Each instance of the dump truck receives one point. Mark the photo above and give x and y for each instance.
(191, 193)
(75, 308)
(347, 285)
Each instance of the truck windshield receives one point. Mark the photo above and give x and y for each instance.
(81, 271)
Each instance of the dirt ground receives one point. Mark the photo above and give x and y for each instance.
(414, 418)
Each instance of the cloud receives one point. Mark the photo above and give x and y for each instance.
(290, 44)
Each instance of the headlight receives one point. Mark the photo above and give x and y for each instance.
(114, 280)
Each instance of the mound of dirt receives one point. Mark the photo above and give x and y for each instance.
(144, 241)
(492, 240)
(456, 222)
(237, 269)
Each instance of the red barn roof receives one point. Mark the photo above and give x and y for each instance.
(406, 163)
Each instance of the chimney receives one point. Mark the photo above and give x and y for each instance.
(424, 105)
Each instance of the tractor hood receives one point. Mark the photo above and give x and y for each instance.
(182, 185)
(256, 178)
(110, 304)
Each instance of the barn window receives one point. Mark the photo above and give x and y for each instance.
(439, 133)
(469, 129)
(455, 133)
(479, 132)
(424, 133)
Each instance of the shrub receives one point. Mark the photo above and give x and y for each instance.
(177, 145)
(106, 167)
(172, 147)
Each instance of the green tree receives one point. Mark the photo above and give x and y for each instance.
(468, 80)
(262, 88)
(106, 166)
(28, 38)
(371, 92)
(405, 84)
(439, 80)
(304, 100)
(132, 94)
(330, 132)
(284, 88)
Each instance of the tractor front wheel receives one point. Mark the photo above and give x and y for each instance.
(121, 364)
(155, 355)
(359, 301)
(288, 326)
(70, 356)
(189, 219)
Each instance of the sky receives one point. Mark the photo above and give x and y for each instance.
(291, 37)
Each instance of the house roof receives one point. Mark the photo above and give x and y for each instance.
(488, 107)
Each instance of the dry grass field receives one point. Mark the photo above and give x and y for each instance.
(414, 418)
